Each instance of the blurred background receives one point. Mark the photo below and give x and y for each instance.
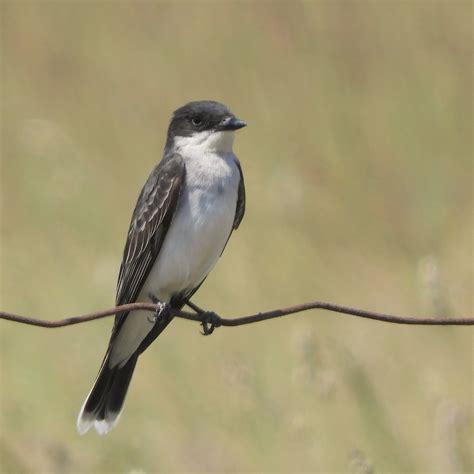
(358, 167)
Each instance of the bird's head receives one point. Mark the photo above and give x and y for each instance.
(204, 125)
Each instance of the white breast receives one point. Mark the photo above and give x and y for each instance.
(200, 228)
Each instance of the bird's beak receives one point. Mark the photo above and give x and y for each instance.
(231, 123)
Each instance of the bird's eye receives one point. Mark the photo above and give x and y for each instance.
(196, 120)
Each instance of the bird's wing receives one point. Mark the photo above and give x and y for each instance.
(150, 222)
(239, 212)
(240, 208)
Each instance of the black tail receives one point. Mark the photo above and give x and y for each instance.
(105, 401)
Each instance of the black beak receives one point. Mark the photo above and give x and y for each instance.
(231, 123)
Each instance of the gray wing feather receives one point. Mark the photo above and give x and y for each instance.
(240, 209)
(150, 222)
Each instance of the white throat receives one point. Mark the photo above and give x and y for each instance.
(205, 142)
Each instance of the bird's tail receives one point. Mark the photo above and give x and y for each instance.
(104, 403)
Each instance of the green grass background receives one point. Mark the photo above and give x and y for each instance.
(358, 166)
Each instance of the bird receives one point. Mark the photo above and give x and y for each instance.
(188, 208)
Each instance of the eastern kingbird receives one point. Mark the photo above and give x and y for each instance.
(190, 204)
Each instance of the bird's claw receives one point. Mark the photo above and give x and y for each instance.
(209, 322)
(160, 307)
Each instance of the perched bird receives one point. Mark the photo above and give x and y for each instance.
(190, 204)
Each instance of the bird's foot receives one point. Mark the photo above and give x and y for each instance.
(210, 321)
(161, 308)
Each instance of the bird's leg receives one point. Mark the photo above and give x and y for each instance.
(161, 308)
(194, 307)
(210, 320)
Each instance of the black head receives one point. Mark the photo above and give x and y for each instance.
(201, 116)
